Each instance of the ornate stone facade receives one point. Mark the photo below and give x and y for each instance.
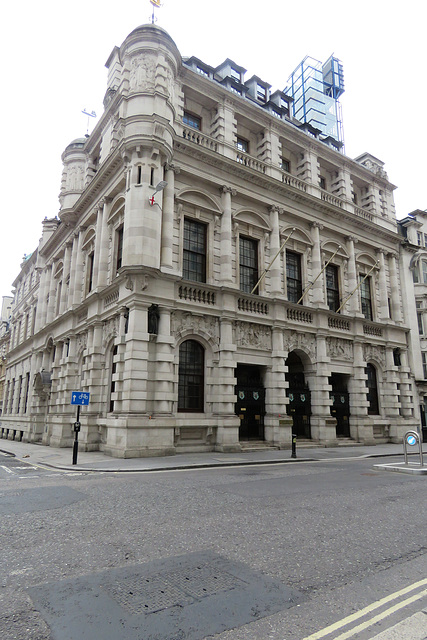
(201, 283)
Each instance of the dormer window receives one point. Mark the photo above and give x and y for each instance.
(235, 74)
(234, 90)
(261, 93)
(202, 71)
(192, 121)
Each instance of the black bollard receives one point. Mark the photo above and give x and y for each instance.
(294, 446)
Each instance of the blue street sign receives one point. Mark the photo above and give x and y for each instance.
(80, 397)
(411, 440)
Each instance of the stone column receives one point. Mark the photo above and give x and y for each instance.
(63, 306)
(223, 384)
(164, 367)
(42, 302)
(396, 309)
(278, 426)
(384, 313)
(226, 231)
(167, 217)
(360, 429)
(78, 269)
(352, 304)
(101, 247)
(318, 296)
(275, 271)
(323, 425)
(52, 293)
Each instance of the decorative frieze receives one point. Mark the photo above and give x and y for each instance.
(253, 335)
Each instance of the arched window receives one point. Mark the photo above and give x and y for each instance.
(371, 383)
(191, 376)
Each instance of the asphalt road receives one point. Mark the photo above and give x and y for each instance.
(267, 553)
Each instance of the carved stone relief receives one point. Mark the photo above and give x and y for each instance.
(248, 334)
(375, 353)
(207, 326)
(303, 341)
(110, 330)
(75, 176)
(339, 349)
(142, 71)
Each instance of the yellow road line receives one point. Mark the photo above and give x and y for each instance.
(372, 607)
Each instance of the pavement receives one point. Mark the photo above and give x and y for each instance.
(61, 458)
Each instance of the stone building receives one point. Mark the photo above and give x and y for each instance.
(414, 280)
(218, 272)
(6, 308)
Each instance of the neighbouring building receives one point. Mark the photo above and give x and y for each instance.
(218, 272)
(414, 280)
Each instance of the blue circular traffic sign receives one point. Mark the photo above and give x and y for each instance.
(411, 440)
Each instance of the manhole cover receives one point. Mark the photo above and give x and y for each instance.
(147, 594)
(191, 597)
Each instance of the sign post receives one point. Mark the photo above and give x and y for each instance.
(412, 439)
(78, 398)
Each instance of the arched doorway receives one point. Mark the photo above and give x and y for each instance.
(299, 406)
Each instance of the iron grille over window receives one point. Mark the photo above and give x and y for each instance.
(248, 262)
(332, 287)
(293, 276)
(191, 377)
(194, 257)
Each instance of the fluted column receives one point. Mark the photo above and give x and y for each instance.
(316, 266)
(396, 309)
(384, 313)
(167, 217)
(225, 258)
(275, 271)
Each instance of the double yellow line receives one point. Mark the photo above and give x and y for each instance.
(369, 609)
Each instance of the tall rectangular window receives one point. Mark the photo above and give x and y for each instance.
(332, 287)
(424, 355)
(293, 276)
(119, 245)
(90, 264)
(248, 264)
(27, 388)
(194, 255)
(365, 297)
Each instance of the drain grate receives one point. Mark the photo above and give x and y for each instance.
(148, 594)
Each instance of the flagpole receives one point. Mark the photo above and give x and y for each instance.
(356, 288)
(318, 275)
(267, 269)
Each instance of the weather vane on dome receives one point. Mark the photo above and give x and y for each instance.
(155, 3)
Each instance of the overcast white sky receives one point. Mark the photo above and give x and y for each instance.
(53, 67)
